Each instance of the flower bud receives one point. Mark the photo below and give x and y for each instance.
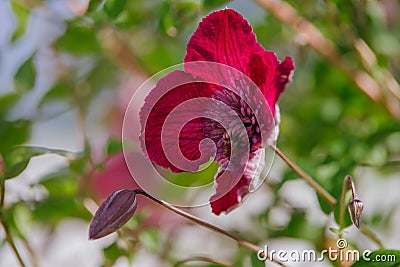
(113, 213)
(355, 210)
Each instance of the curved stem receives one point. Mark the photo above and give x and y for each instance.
(2, 192)
(367, 232)
(10, 239)
(81, 121)
(29, 249)
(205, 224)
(2, 182)
(320, 190)
(3, 222)
(206, 259)
(343, 198)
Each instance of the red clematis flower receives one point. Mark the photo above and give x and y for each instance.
(223, 37)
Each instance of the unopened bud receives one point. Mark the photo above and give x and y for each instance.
(355, 210)
(113, 213)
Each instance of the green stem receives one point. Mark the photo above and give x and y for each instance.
(10, 239)
(205, 224)
(31, 253)
(343, 199)
(2, 192)
(204, 259)
(3, 222)
(2, 183)
(367, 232)
(320, 190)
(81, 123)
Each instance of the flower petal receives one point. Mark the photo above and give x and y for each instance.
(225, 37)
(270, 75)
(170, 92)
(228, 195)
(283, 75)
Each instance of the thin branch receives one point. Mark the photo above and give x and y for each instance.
(2, 192)
(116, 46)
(205, 259)
(31, 253)
(383, 76)
(205, 224)
(2, 183)
(3, 222)
(343, 198)
(320, 190)
(287, 14)
(85, 135)
(367, 232)
(10, 239)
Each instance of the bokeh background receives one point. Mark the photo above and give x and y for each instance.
(69, 67)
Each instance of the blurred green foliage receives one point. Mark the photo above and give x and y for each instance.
(25, 76)
(329, 127)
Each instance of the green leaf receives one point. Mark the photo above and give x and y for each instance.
(176, 16)
(60, 91)
(166, 22)
(61, 184)
(114, 7)
(63, 197)
(23, 219)
(16, 169)
(102, 75)
(55, 209)
(22, 14)
(255, 262)
(379, 258)
(111, 254)
(79, 40)
(203, 177)
(13, 214)
(6, 103)
(17, 160)
(24, 79)
(13, 133)
(113, 146)
(37, 150)
(94, 5)
(150, 239)
(335, 230)
(213, 4)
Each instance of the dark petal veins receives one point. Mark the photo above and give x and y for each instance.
(225, 37)
(155, 111)
(284, 73)
(228, 195)
(270, 75)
